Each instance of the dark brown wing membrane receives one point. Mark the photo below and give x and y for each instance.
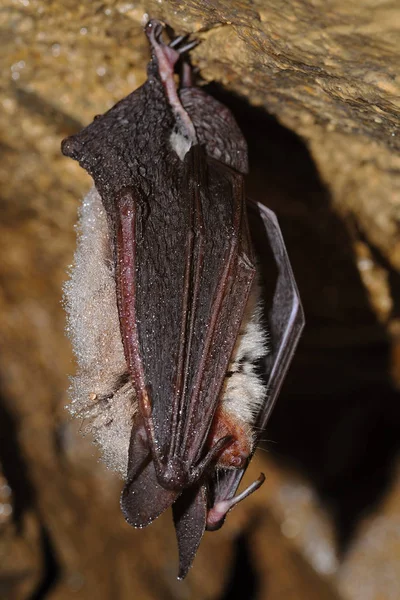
(123, 148)
(143, 499)
(191, 288)
(216, 128)
(181, 299)
(190, 512)
(223, 283)
(285, 322)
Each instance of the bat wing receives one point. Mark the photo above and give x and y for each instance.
(285, 322)
(222, 276)
(184, 272)
(216, 128)
(146, 499)
(190, 514)
(285, 313)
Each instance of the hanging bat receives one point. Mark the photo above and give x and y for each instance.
(164, 301)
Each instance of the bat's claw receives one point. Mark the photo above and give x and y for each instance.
(182, 44)
(186, 47)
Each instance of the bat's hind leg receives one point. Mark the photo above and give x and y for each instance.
(167, 57)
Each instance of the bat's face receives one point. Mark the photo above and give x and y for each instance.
(165, 269)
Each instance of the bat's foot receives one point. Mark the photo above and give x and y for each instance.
(167, 55)
(182, 45)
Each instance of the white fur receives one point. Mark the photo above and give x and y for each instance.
(180, 143)
(244, 391)
(93, 327)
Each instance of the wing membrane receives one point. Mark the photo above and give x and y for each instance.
(191, 289)
(285, 322)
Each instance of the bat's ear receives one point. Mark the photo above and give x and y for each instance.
(190, 513)
(143, 499)
(216, 515)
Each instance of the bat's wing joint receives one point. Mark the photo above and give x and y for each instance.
(172, 475)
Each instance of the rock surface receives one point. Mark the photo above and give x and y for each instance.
(315, 87)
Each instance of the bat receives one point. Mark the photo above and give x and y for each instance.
(164, 301)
